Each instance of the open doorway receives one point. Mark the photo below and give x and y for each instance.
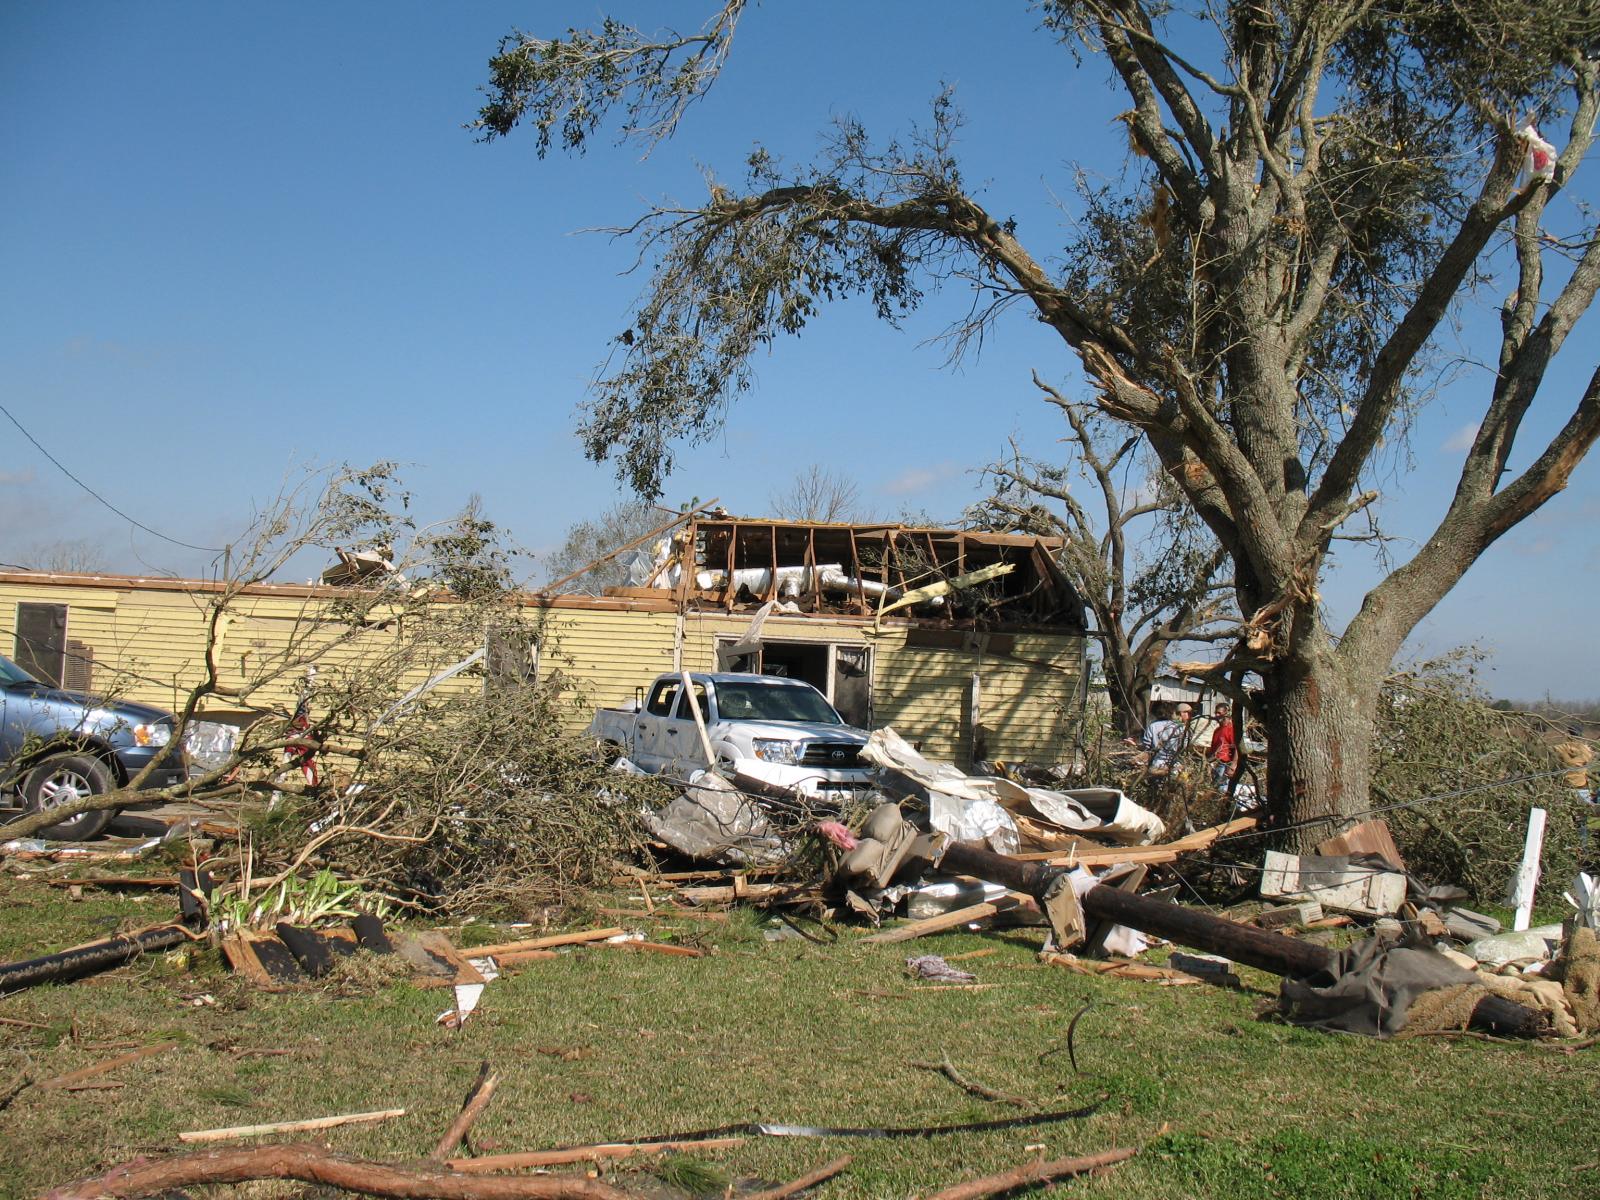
(841, 673)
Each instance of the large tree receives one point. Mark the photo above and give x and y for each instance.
(1147, 568)
(1313, 187)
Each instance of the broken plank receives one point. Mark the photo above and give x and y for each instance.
(311, 1123)
(950, 920)
(545, 943)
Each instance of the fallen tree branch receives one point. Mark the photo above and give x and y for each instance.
(471, 1109)
(1006, 1181)
(948, 1070)
(796, 1186)
(313, 1164)
(72, 1078)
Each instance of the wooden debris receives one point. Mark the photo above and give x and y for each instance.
(1340, 922)
(1165, 852)
(514, 957)
(984, 953)
(946, 1068)
(1302, 913)
(70, 1080)
(1369, 837)
(314, 1164)
(1121, 968)
(310, 1123)
(438, 961)
(1130, 881)
(1037, 1172)
(1335, 883)
(796, 1186)
(600, 1153)
(471, 1109)
(544, 943)
(117, 881)
(950, 920)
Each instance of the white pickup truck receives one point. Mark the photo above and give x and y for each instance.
(779, 730)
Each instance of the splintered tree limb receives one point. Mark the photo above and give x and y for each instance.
(313, 1164)
(306, 1126)
(795, 1186)
(948, 1070)
(471, 1109)
(1007, 1181)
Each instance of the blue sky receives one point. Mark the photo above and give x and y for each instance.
(237, 240)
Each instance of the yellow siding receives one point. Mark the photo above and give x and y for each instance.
(149, 645)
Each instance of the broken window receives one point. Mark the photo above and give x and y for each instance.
(41, 646)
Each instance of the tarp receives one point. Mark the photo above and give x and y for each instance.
(713, 822)
(1369, 988)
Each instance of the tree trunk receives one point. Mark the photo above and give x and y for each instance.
(1320, 718)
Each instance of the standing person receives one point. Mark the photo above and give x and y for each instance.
(1223, 750)
(1165, 738)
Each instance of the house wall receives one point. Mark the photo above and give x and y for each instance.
(149, 639)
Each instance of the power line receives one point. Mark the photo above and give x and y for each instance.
(99, 497)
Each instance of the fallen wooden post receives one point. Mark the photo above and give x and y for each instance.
(314, 1164)
(953, 919)
(471, 1109)
(305, 1126)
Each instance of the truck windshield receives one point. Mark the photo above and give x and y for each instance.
(774, 702)
(11, 673)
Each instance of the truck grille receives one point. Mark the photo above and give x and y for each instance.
(839, 755)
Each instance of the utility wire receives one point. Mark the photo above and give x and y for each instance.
(102, 499)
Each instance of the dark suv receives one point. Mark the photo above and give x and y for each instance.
(56, 746)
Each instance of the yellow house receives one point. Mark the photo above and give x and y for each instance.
(970, 644)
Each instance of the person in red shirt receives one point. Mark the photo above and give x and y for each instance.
(1223, 751)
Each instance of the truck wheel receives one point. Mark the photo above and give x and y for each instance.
(61, 779)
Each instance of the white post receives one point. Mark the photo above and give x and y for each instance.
(699, 720)
(1527, 880)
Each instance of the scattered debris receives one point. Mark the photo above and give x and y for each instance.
(931, 966)
(70, 1080)
(1036, 1172)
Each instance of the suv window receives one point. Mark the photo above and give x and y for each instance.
(662, 698)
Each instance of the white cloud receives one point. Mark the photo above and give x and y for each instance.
(1461, 440)
(16, 478)
(918, 479)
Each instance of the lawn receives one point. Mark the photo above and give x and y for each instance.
(606, 1045)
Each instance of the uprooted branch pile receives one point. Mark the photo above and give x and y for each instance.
(478, 803)
(1439, 735)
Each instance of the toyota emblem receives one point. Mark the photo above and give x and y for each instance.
(837, 755)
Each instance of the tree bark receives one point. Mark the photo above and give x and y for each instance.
(313, 1164)
(1319, 714)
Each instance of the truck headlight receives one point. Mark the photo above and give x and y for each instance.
(152, 735)
(775, 750)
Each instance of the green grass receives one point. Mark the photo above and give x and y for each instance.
(603, 1045)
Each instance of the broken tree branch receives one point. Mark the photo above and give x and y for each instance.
(313, 1164)
(471, 1109)
(1007, 1181)
(795, 1186)
(948, 1070)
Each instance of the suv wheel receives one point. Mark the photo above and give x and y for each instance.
(62, 779)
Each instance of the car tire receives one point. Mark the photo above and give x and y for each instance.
(49, 783)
